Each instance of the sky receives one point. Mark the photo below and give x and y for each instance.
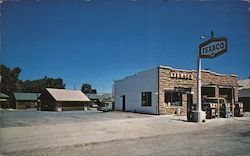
(97, 42)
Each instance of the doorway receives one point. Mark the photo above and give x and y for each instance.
(190, 102)
(123, 103)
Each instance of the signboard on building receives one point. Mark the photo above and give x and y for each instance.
(181, 75)
(213, 47)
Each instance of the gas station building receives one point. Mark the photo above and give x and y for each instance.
(165, 90)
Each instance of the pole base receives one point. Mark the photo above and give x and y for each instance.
(197, 116)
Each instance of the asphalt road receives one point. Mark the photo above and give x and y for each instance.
(126, 134)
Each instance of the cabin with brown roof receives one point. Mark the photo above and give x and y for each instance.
(62, 100)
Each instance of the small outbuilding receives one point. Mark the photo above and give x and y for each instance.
(244, 93)
(24, 100)
(3, 100)
(62, 100)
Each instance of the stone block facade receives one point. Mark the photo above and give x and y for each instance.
(174, 79)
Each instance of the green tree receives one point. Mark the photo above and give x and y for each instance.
(86, 88)
(9, 79)
(10, 82)
(40, 84)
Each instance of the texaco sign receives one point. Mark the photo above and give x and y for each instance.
(213, 47)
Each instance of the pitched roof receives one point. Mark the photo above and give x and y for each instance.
(244, 92)
(67, 95)
(244, 84)
(3, 96)
(100, 96)
(26, 96)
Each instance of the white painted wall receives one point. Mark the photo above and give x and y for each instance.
(133, 86)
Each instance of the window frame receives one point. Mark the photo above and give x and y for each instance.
(171, 92)
(146, 99)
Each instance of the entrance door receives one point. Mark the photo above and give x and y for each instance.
(190, 106)
(189, 102)
(123, 103)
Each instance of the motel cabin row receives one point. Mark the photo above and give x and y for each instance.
(49, 100)
(165, 90)
(19, 100)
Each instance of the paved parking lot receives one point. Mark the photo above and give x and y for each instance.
(18, 118)
(119, 133)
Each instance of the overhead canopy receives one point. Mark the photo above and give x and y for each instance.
(67, 95)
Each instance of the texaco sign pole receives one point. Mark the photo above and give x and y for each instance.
(208, 49)
(198, 100)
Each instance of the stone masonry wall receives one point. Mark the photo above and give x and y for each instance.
(208, 79)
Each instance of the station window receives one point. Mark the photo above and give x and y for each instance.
(173, 98)
(146, 98)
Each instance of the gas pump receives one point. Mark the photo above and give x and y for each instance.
(212, 110)
(238, 109)
(229, 113)
(217, 107)
(209, 108)
(225, 110)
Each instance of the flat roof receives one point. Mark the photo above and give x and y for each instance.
(184, 70)
(192, 70)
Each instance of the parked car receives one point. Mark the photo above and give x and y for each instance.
(93, 105)
(106, 108)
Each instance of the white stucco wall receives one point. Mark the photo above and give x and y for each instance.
(132, 87)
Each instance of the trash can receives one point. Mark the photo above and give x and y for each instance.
(197, 116)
